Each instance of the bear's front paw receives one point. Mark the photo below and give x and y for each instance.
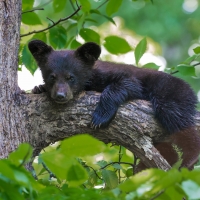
(102, 117)
(38, 89)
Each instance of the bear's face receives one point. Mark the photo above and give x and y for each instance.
(64, 72)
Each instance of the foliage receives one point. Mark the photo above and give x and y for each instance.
(63, 175)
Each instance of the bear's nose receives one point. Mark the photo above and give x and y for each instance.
(60, 96)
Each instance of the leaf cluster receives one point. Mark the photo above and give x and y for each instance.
(77, 169)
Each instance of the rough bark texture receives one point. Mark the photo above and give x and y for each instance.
(134, 126)
(11, 127)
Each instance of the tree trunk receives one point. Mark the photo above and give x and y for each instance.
(38, 121)
(12, 131)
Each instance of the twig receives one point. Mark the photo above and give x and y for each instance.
(34, 9)
(51, 20)
(157, 195)
(174, 72)
(94, 172)
(196, 64)
(126, 163)
(25, 157)
(134, 163)
(119, 160)
(47, 169)
(56, 23)
(72, 5)
(102, 4)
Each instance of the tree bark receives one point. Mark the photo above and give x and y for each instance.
(39, 121)
(11, 124)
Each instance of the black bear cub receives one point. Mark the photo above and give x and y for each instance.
(68, 72)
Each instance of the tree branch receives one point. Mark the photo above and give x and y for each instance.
(34, 9)
(133, 127)
(54, 24)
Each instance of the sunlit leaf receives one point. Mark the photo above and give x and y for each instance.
(110, 178)
(58, 37)
(82, 145)
(140, 49)
(21, 155)
(28, 60)
(197, 50)
(189, 60)
(116, 45)
(75, 44)
(31, 18)
(85, 5)
(58, 163)
(27, 5)
(105, 16)
(59, 5)
(186, 70)
(151, 66)
(76, 175)
(113, 6)
(89, 35)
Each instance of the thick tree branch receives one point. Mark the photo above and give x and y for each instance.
(134, 126)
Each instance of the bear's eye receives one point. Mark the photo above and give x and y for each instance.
(52, 77)
(71, 78)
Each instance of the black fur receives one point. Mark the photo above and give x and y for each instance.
(173, 100)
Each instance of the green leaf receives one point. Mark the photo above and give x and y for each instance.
(92, 181)
(28, 61)
(31, 18)
(81, 21)
(75, 44)
(57, 37)
(138, 180)
(186, 70)
(40, 36)
(58, 163)
(197, 71)
(116, 45)
(27, 5)
(191, 189)
(110, 179)
(113, 6)
(140, 49)
(129, 172)
(76, 175)
(89, 35)
(59, 5)
(151, 66)
(117, 166)
(85, 5)
(21, 155)
(168, 179)
(82, 145)
(98, 13)
(197, 50)
(189, 60)
(102, 163)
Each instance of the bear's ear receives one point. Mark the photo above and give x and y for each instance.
(88, 52)
(39, 49)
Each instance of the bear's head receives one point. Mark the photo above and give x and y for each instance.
(64, 72)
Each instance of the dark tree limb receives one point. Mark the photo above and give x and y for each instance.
(133, 127)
